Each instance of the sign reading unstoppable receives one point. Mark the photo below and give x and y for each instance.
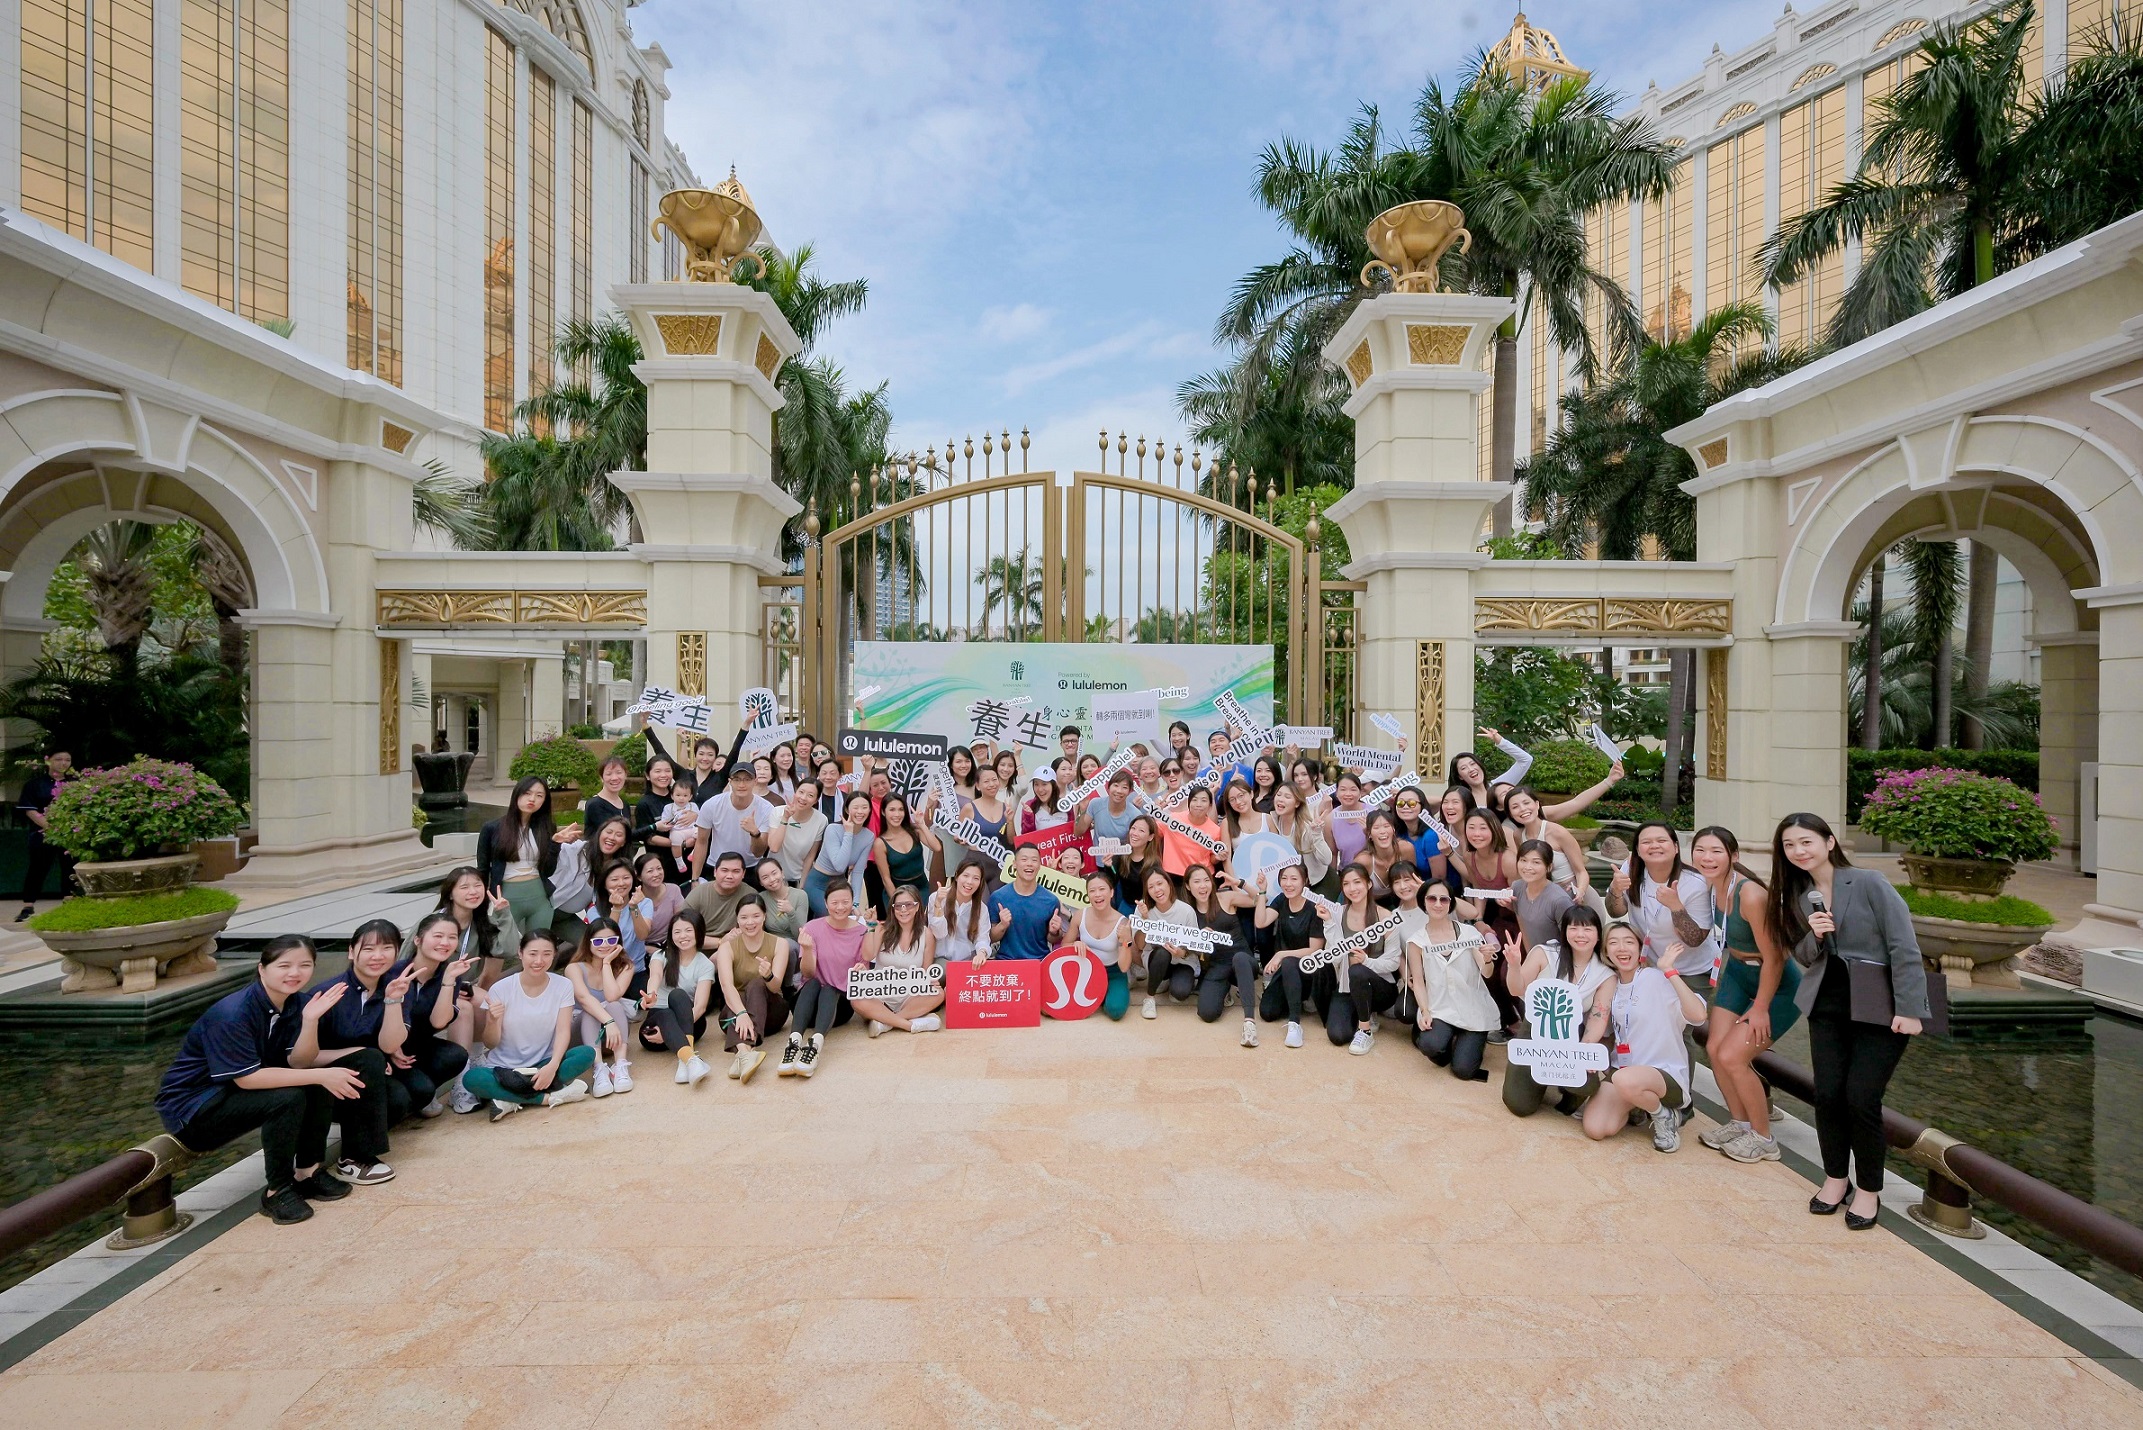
(1020, 694)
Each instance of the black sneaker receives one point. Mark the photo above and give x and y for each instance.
(323, 1186)
(284, 1206)
(27, 910)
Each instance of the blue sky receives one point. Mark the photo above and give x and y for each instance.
(1051, 202)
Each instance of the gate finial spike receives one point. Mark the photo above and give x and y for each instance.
(811, 519)
(1314, 532)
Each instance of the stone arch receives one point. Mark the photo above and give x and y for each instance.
(2077, 493)
(113, 432)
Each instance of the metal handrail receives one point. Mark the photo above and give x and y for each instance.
(1957, 1172)
(141, 1175)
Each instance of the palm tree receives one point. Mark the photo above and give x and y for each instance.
(1608, 475)
(115, 565)
(1277, 412)
(806, 300)
(1937, 595)
(1526, 166)
(1012, 584)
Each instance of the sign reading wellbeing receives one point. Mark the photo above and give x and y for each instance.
(1020, 694)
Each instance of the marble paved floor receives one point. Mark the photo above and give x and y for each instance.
(1089, 1224)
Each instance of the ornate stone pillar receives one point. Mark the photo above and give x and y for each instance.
(710, 516)
(1419, 507)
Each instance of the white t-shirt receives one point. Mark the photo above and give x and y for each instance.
(1452, 972)
(1655, 921)
(530, 1024)
(724, 824)
(1648, 1026)
(798, 843)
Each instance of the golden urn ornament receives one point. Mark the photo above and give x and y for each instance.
(717, 226)
(1410, 240)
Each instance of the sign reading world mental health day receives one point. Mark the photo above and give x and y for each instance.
(1020, 694)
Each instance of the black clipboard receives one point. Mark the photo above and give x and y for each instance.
(1874, 1002)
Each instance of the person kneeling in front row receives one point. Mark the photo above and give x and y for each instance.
(1650, 1009)
(233, 1074)
(527, 1020)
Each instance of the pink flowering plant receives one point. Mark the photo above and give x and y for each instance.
(1956, 814)
(139, 809)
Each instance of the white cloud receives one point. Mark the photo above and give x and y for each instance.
(1014, 324)
(1143, 341)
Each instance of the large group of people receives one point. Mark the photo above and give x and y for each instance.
(733, 897)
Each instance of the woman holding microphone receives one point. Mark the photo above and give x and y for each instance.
(1865, 994)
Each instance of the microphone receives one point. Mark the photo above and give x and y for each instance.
(1817, 905)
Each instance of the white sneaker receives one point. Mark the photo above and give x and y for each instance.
(790, 1052)
(1294, 1035)
(1716, 1138)
(1666, 1130)
(501, 1108)
(621, 1076)
(1360, 1045)
(1149, 1009)
(600, 1086)
(928, 1023)
(431, 1109)
(698, 1071)
(684, 1071)
(1250, 1033)
(1748, 1147)
(460, 1099)
(364, 1174)
(736, 1064)
(751, 1057)
(807, 1058)
(876, 1028)
(573, 1091)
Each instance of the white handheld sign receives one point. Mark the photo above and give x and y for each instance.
(765, 737)
(1342, 948)
(1256, 854)
(1088, 788)
(1383, 794)
(1195, 835)
(1606, 745)
(1371, 761)
(946, 821)
(1176, 935)
(1389, 724)
(895, 985)
(1554, 1053)
(758, 707)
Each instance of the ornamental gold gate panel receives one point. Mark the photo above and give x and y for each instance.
(954, 545)
(930, 547)
(1188, 559)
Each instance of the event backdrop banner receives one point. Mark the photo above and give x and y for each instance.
(1021, 693)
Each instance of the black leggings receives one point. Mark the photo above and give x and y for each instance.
(1450, 1046)
(412, 1089)
(365, 1117)
(292, 1121)
(821, 1007)
(1853, 1063)
(669, 1019)
(1163, 971)
(1368, 994)
(1283, 991)
(1220, 971)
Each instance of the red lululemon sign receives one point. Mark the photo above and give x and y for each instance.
(1003, 993)
(1073, 981)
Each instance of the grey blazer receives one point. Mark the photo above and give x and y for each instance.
(1874, 926)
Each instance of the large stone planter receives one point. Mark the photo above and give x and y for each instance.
(1957, 876)
(162, 874)
(1969, 953)
(443, 779)
(132, 959)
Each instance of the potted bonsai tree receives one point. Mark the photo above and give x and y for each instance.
(565, 765)
(1964, 835)
(139, 916)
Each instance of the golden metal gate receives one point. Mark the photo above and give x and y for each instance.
(935, 546)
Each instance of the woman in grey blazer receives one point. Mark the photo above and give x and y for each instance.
(1831, 915)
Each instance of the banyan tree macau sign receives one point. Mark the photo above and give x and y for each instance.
(437, 609)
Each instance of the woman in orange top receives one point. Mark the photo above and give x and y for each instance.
(1178, 852)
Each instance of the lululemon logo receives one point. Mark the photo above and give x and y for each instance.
(1076, 982)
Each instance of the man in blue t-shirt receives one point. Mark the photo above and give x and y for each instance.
(1026, 917)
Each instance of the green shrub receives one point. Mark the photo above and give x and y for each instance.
(585, 731)
(1580, 821)
(2008, 909)
(1637, 811)
(1643, 760)
(633, 751)
(139, 808)
(559, 760)
(1955, 814)
(1864, 767)
(1566, 766)
(80, 915)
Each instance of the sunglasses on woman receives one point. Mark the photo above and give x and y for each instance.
(604, 941)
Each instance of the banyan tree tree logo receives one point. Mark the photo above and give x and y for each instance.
(1553, 1007)
(1019, 670)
